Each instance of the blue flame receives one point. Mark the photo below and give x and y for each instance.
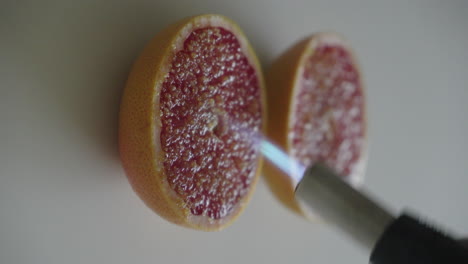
(282, 161)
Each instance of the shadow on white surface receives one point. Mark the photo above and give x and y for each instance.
(80, 62)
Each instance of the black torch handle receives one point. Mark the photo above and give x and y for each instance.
(409, 241)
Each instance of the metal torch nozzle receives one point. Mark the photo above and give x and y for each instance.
(335, 201)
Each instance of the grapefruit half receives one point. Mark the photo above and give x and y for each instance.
(316, 111)
(191, 117)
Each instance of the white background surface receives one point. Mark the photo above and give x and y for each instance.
(64, 197)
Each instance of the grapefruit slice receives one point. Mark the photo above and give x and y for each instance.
(316, 111)
(190, 123)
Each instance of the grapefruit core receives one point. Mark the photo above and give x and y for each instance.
(190, 123)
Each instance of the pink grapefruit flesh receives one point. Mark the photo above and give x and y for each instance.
(210, 117)
(328, 117)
